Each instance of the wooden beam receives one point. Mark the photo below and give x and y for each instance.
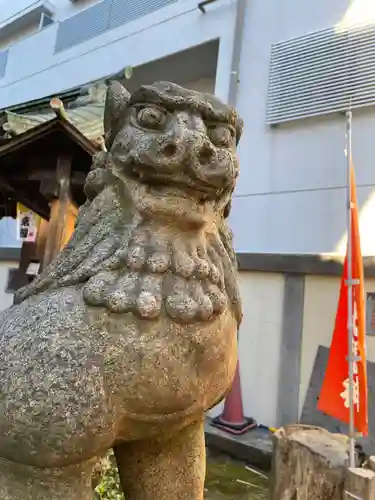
(58, 108)
(76, 177)
(28, 254)
(36, 206)
(59, 211)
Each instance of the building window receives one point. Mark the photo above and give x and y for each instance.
(370, 314)
(45, 21)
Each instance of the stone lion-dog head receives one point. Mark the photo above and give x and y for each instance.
(152, 235)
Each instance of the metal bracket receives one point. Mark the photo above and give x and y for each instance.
(353, 359)
(352, 282)
(202, 5)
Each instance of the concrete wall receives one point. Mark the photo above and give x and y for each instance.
(260, 343)
(290, 196)
(8, 233)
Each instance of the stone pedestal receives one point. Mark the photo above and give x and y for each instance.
(360, 483)
(309, 463)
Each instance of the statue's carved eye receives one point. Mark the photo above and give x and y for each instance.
(151, 117)
(221, 136)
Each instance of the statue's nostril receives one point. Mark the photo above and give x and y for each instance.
(205, 155)
(169, 150)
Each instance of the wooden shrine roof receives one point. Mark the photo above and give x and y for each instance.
(32, 138)
(27, 158)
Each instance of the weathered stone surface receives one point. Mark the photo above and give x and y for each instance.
(130, 333)
(371, 463)
(360, 483)
(309, 463)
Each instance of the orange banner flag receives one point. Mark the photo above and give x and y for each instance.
(334, 396)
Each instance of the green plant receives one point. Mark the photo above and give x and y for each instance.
(109, 482)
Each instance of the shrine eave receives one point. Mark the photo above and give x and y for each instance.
(40, 132)
(28, 159)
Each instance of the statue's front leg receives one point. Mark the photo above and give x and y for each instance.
(174, 470)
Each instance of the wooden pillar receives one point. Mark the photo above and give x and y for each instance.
(41, 239)
(71, 217)
(28, 255)
(61, 207)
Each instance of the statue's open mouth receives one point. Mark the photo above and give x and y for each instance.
(176, 185)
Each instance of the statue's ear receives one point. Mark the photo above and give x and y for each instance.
(116, 102)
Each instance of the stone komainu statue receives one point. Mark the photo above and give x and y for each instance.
(130, 334)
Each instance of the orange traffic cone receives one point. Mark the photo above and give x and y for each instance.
(232, 419)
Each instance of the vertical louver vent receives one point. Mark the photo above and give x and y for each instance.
(123, 12)
(322, 73)
(83, 26)
(3, 62)
(106, 15)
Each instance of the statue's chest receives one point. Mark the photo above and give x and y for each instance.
(154, 366)
(163, 367)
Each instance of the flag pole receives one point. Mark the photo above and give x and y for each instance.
(350, 291)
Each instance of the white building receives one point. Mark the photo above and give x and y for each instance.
(291, 192)
(291, 195)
